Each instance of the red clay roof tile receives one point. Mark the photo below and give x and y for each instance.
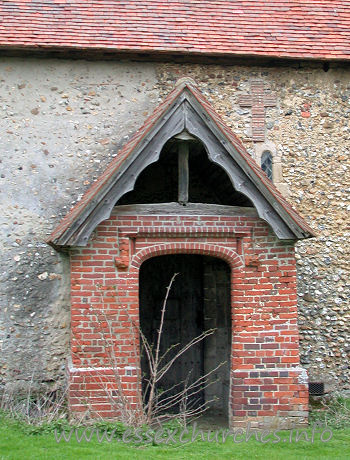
(314, 29)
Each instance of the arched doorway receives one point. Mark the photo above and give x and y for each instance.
(198, 301)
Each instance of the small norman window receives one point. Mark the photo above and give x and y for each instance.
(266, 163)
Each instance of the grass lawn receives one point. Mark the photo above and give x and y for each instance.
(16, 444)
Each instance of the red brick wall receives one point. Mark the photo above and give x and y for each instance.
(267, 381)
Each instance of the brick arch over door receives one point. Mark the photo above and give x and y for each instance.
(228, 255)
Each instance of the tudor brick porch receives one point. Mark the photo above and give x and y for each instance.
(267, 384)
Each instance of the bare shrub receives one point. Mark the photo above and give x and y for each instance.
(332, 410)
(177, 402)
(33, 406)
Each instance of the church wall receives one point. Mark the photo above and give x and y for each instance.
(61, 123)
(308, 132)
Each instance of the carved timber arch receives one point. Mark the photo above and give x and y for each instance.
(185, 109)
(184, 174)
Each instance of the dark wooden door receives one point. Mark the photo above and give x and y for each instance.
(183, 317)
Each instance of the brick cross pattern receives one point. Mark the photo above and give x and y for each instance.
(258, 100)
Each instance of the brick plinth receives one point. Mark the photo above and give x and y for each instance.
(270, 397)
(267, 383)
(104, 392)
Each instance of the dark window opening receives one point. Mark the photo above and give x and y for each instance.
(193, 179)
(266, 163)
